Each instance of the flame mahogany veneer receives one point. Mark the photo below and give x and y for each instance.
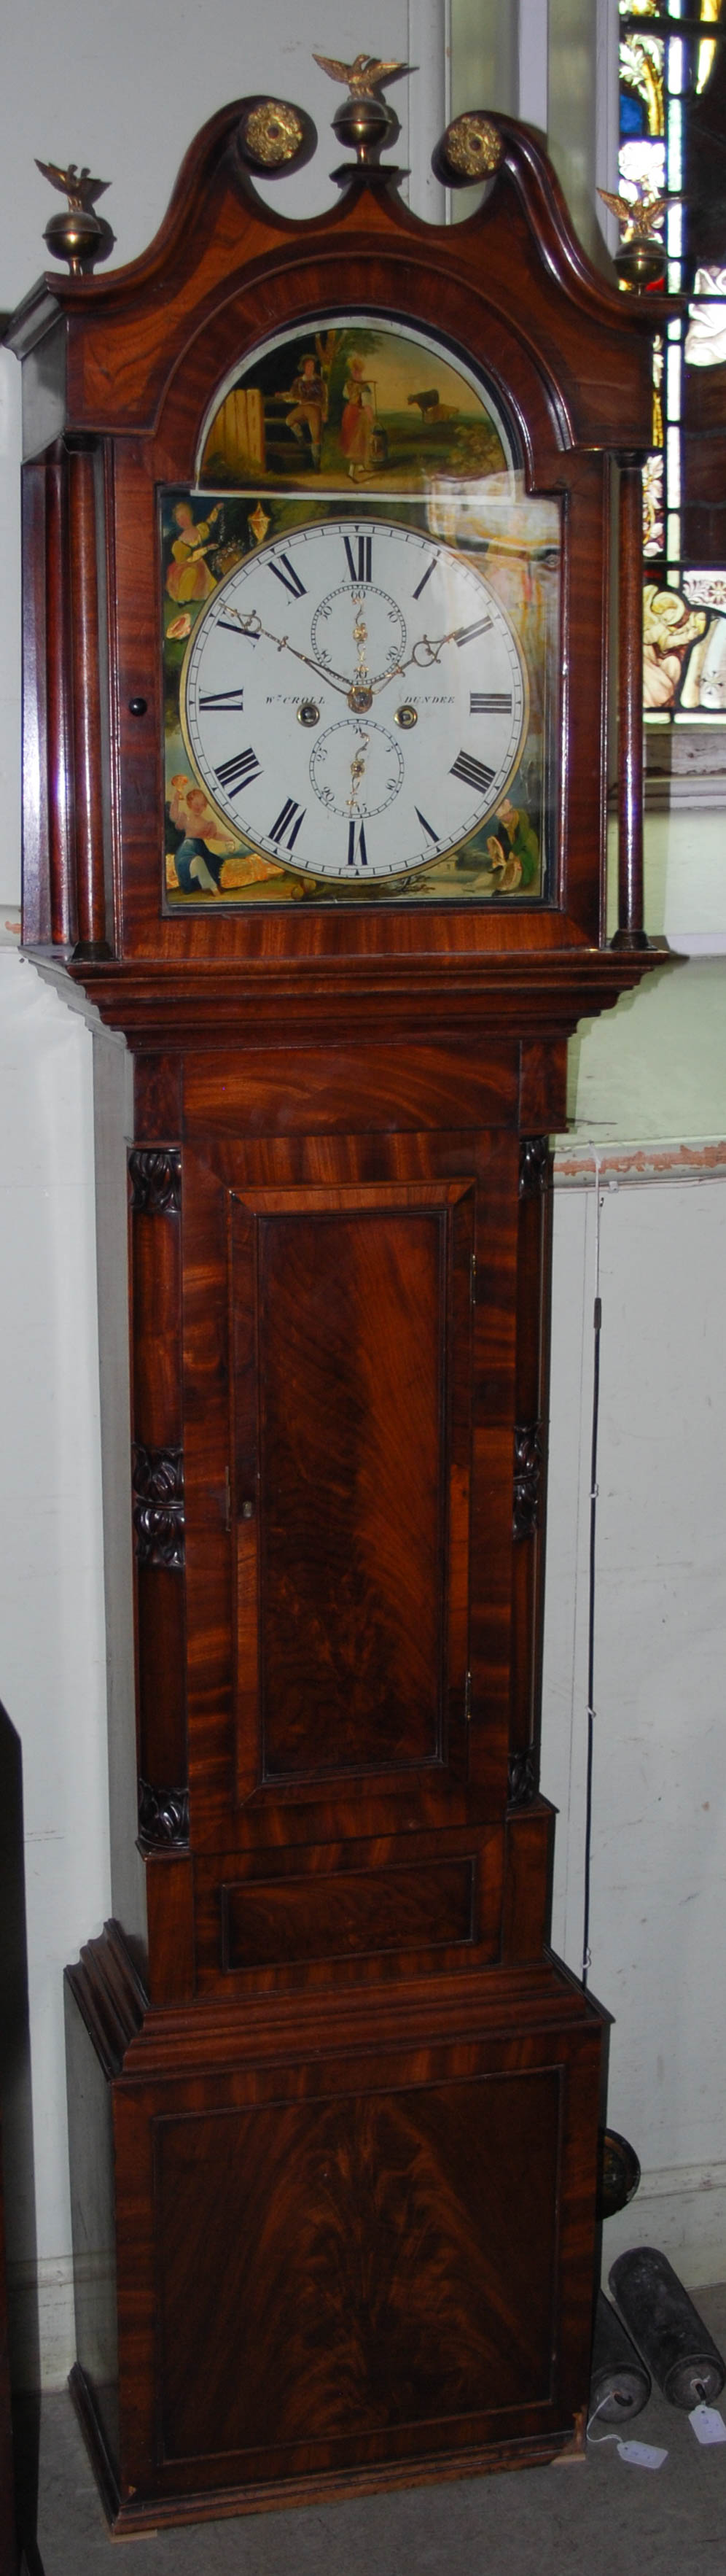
(334, 2106)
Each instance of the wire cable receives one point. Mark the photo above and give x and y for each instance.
(597, 1329)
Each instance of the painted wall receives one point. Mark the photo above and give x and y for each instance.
(125, 92)
(659, 1827)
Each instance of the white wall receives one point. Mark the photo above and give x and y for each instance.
(52, 1641)
(125, 91)
(659, 1826)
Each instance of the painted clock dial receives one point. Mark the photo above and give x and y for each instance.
(360, 634)
(354, 699)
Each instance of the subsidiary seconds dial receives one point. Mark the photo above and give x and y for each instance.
(354, 699)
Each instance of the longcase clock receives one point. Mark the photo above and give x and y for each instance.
(319, 561)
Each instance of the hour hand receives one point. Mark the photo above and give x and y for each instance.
(251, 624)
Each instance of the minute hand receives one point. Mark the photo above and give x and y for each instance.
(427, 649)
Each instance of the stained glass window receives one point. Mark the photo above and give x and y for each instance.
(673, 147)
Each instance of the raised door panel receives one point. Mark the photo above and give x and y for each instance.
(351, 1392)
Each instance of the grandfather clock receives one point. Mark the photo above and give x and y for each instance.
(318, 577)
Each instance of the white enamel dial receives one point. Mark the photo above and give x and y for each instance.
(354, 699)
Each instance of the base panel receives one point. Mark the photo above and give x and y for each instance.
(127, 2518)
(355, 2246)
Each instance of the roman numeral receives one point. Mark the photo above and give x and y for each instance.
(231, 698)
(285, 819)
(360, 569)
(289, 577)
(425, 577)
(490, 702)
(239, 771)
(233, 626)
(426, 827)
(466, 634)
(473, 772)
(361, 853)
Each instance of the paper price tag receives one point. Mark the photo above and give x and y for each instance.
(641, 2455)
(708, 2425)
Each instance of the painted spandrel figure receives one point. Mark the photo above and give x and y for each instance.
(309, 395)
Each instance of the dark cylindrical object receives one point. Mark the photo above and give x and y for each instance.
(667, 2328)
(619, 2173)
(620, 2384)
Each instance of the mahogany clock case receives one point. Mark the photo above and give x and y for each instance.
(334, 2107)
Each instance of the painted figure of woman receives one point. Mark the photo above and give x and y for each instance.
(358, 419)
(189, 576)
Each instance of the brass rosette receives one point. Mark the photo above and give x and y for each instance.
(471, 147)
(271, 134)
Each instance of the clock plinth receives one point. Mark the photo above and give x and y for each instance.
(316, 678)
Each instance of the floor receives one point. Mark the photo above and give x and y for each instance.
(600, 2518)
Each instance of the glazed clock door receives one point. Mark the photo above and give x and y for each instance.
(359, 623)
(377, 727)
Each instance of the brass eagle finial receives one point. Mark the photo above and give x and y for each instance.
(77, 234)
(77, 185)
(364, 77)
(637, 216)
(640, 259)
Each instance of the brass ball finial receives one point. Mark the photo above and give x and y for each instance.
(363, 121)
(641, 259)
(78, 234)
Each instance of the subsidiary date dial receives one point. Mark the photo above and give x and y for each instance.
(354, 700)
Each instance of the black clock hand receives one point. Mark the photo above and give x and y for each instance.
(359, 691)
(426, 651)
(362, 689)
(251, 625)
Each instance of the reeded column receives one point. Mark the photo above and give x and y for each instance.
(157, 1479)
(87, 747)
(60, 766)
(630, 932)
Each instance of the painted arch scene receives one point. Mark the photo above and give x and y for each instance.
(347, 404)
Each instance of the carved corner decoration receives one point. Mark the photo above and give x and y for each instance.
(533, 1161)
(155, 1178)
(163, 1818)
(523, 1778)
(157, 1485)
(527, 1476)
